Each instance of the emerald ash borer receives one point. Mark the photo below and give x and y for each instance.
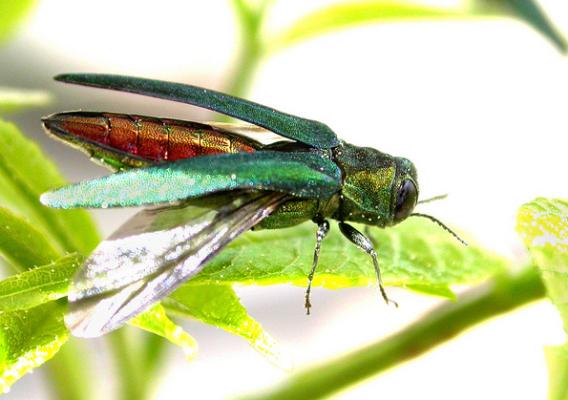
(207, 183)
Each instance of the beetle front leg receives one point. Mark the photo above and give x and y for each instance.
(363, 243)
(323, 229)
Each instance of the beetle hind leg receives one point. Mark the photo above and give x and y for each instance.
(365, 244)
(323, 229)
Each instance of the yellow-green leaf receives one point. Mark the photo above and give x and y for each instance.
(39, 285)
(543, 226)
(156, 321)
(349, 14)
(12, 12)
(220, 306)
(557, 360)
(13, 99)
(28, 338)
(415, 253)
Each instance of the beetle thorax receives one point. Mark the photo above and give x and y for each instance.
(368, 180)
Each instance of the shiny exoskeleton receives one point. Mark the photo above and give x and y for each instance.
(246, 182)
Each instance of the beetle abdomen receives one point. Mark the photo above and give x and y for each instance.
(145, 138)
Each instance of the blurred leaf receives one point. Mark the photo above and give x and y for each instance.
(245, 13)
(543, 225)
(12, 12)
(13, 100)
(28, 338)
(220, 306)
(557, 360)
(156, 321)
(528, 11)
(349, 14)
(215, 305)
(440, 291)
(25, 173)
(39, 285)
(22, 244)
(415, 253)
(250, 15)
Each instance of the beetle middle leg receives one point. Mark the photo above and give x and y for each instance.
(365, 244)
(323, 229)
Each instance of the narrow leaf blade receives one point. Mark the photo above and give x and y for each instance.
(349, 14)
(220, 306)
(38, 286)
(29, 338)
(11, 14)
(27, 173)
(531, 12)
(157, 322)
(22, 244)
(528, 11)
(12, 100)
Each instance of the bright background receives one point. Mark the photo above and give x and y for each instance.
(479, 106)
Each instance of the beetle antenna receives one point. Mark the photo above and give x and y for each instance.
(428, 200)
(440, 223)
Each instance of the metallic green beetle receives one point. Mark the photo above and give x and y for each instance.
(210, 183)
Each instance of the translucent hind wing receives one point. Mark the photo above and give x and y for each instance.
(152, 254)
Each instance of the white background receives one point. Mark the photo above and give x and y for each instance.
(479, 106)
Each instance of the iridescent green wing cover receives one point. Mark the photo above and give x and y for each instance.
(301, 174)
(303, 130)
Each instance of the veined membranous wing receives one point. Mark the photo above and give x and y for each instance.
(153, 253)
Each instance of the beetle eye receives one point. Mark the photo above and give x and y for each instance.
(405, 200)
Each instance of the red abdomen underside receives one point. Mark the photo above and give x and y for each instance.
(148, 138)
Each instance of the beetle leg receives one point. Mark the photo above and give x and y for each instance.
(323, 229)
(363, 243)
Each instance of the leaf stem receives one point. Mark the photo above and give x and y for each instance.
(128, 367)
(502, 294)
(154, 350)
(250, 21)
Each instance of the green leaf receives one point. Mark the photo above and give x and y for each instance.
(39, 285)
(415, 253)
(13, 100)
(156, 321)
(28, 338)
(543, 226)
(220, 306)
(433, 290)
(526, 10)
(26, 173)
(349, 14)
(22, 244)
(557, 360)
(12, 13)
